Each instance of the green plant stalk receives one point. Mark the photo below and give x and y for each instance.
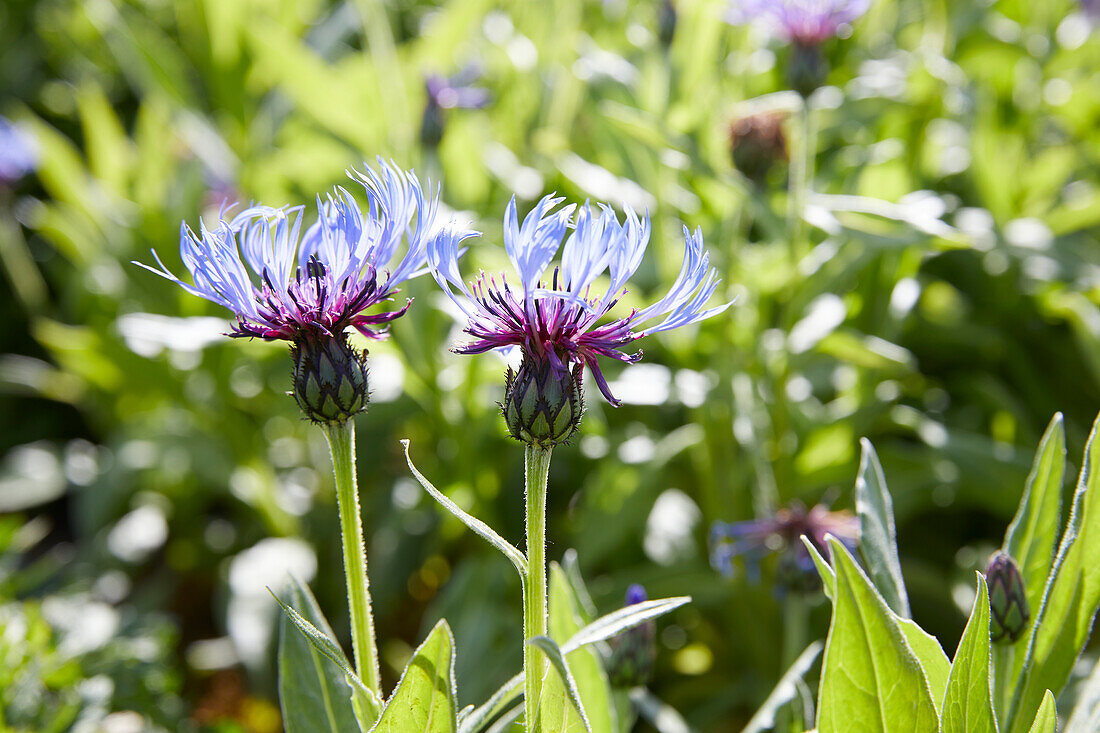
(796, 620)
(536, 470)
(341, 443)
(801, 174)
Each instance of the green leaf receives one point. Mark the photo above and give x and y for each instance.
(1046, 719)
(828, 577)
(592, 682)
(933, 660)
(425, 700)
(968, 706)
(877, 536)
(316, 684)
(1031, 537)
(473, 523)
(870, 672)
(785, 690)
(602, 628)
(663, 717)
(1064, 620)
(1085, 717)
(607, 626)
(560, 709)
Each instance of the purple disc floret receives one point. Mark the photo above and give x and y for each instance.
(558, 316)
(805, 22)
(282, 283)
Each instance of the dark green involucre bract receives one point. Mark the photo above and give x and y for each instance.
(1009, 612)
(542, 407)
(807, 68)
(330, 379)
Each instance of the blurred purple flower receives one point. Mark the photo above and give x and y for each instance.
(453, 92)
(633, 651)
(458, 91)
(18, 153)
(1091, 8)
(754, 539)
(555, 322)
(804, 22)
(319, 284)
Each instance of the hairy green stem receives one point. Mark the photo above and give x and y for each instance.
(536, 470)
(341, 443)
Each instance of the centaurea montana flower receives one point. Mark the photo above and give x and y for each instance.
(803, 22)
(18, 154)
(555, 320)
(754, 539)
(309, 288)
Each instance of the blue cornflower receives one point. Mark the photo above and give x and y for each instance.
(803, 22)
(633, 651)
(317, 284)
(556, 321)
(18, 154)
(754, 539)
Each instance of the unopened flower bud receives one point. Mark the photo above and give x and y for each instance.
(543, 406)
(1008, 608)
(431, 124)
(807, 68)
(757, 143)
(634, 650)
(330, 379)
(666, 22)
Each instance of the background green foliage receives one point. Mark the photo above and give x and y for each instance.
(947, 308)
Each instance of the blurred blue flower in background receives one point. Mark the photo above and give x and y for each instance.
(554, 322)
(449, 92)
(18, 153)
(321, 285)
(804, 22)
(634, 650)
(755, 539)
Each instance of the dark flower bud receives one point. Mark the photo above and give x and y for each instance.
(807, 68)
(666, 22)
(757, 143)
(330, 379)
(431, 124)
(634, 650)
(542, 406)
(1008, 608)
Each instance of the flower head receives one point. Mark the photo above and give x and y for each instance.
(1009, 612)
(804, 22)
(18, 154)
(284, 284)
(453, 92)
(633, 651)
(755, 539)
(555, 318)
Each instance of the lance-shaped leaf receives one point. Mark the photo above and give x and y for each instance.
(1046, 719)
(507, 548)
(785, 690)
(318, 690)
(870, 673)
(933, 660)
(1064, 620)
(1031, 539)
(559, 709)
(877, 537)
(599, 630)
(592, 682)
(424, 701)
(968, 706)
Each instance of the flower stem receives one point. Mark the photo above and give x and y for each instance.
(341, 443)
(536, 470)
(801, 175)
